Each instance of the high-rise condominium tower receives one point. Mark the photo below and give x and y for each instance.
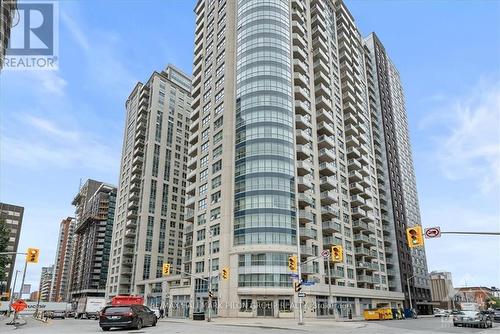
(149, 215)
(283, 162)
(45, 283)
(94, 210)
(59, 290)
(12, 216)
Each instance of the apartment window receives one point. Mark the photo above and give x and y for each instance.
(216, 181)
(219, 109)
(202, 204)
(204, 174)
(215, 247)
(200, 267)
(205, 120)
(200, 250)
(217, 167)
(215, 214)
(217, 152)
(218, 137)
(215, 198)
(219, 96)
(201, 219)
(218, 123)
(204, 134)
(200, 235)
(204, 161)
(215, 230)
(204, 147)
(215, 264)
(202, 190)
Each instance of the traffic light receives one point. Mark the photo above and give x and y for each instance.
(32, 255)
(225, 273)
(166, 269)
(292, 263)
(297, 286)
(210, 294)
(337, 253)
(415, 236)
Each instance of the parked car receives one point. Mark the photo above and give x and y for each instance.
(441, 313)
(70, 314)
(496, 315)
(472, 319)
(57, 314)
(131, 316)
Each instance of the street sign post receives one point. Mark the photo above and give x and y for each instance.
(302, 294)
(325, 253)
(432, 232)
(19, 305)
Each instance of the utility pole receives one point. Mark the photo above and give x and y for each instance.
(299, 273)
(21, 289)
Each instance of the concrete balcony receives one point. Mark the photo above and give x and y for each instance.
(368, 266)
(306, 251)
(303, 152)
(327, 168)
(359, 225)
(130, 233)
(305, 199)
(363, 239)
(192, 162)
(327, 183)
(331, 226)
(193, 150)
(190, 201)
(137, 161)
(353, 164)
(353, 152)
(366, 279)
(298, 52)
(352, 141)
(305, 216)
(324, 115)
(303, 137)
(132, 205)
(367, 253)
(306, 233)
(328, 212)
(326, 155)
(356, 201)
(323, 103)
(329, 197)
(357, 213)
(300, 67)
(304, 183)
(131, 223)
(189, 216)
(335, 273)
(326, 142)
(299, 41)
(191, 177)
(302, 122)
(139, 143)
(325, 129)
(131, 214)
(127, 251)
(301, 94)
(300, 80)
(331, 241)
(304, 167)
(302, 107)
(355, 176)
(351, 130)
(129, 241)
(355, 188)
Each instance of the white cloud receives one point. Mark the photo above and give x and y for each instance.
(47, 145)
(468, 140)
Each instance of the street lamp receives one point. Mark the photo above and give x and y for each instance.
(409, 290)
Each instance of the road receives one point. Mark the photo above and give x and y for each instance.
(250, 326)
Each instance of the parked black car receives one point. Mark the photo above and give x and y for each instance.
(496, 315)
(131, 316)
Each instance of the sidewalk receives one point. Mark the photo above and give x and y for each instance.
(271, 323)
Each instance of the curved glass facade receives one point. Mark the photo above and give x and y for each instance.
(264, 160)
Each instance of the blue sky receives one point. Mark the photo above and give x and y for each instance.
(60, 127)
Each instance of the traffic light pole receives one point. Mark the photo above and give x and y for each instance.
(409, 290)
(21, 289)
(330, 298)
(11, 299)
(209, 315)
